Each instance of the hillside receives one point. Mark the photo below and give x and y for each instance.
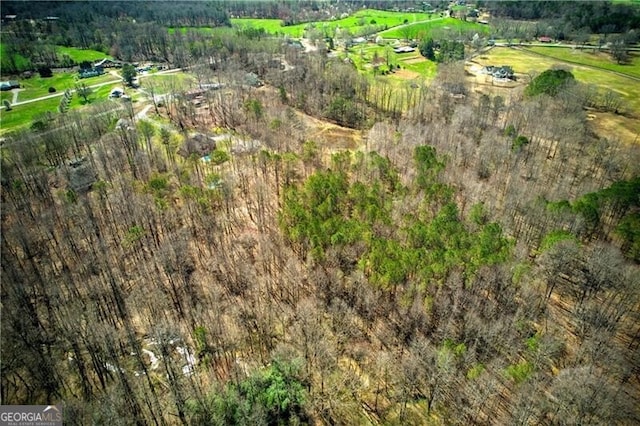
(277, 235)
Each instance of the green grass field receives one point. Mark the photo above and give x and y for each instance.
(21, 61)
(592, 58)
(525, 62)
(363, 55)
(164, 82)
(79, 55)
(441, 24)
(355, 23)
(23, 115)
(37, 87)
(271, 26)
(414, 69)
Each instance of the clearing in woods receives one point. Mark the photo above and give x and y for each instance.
(527, 64)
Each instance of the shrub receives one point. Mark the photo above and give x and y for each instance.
(519, 142)
(550, 82)
(52, 89)
(45, 72)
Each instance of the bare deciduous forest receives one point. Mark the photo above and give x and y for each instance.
(456, 260)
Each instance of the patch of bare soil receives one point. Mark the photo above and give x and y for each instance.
(406, 74)
(614, 126)
(330, 135)
(415, 60)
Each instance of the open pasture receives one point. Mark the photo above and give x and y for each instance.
(357, 23)
(524, 62)
(36, 87)
(591, 57)
(79, 55)
(422, 29)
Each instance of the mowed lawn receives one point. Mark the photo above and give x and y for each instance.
(79, 55)
(22, 116)
(271, 26)
(75, 54)
(36, 87)
(526, 62)
(363, 55)
(168, 82)
(423, 29)
(627, 88)
(356, 23)
(592, 58)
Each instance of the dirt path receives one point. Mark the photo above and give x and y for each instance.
(15, 96)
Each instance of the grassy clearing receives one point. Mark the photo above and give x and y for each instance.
(203, 30)
(79, 55)
(526, 62)
(363, 55)
(592, 58)
(377, 18)
(272, 26)
(619, 126)
(23, 115)
(422, 29)
(360, 22)
(414, 71)
(37, 87)
(178, 81)
(20, 61)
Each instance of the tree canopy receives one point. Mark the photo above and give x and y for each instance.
(550, 82)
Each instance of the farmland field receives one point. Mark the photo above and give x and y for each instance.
(79, 55)
(272, 26)
(357, 23)
(628, 89)
(180, 81)
(22, 115)
(36, 87)
(363, 55)
(591, 57)
(418, 30)
(525, 62)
